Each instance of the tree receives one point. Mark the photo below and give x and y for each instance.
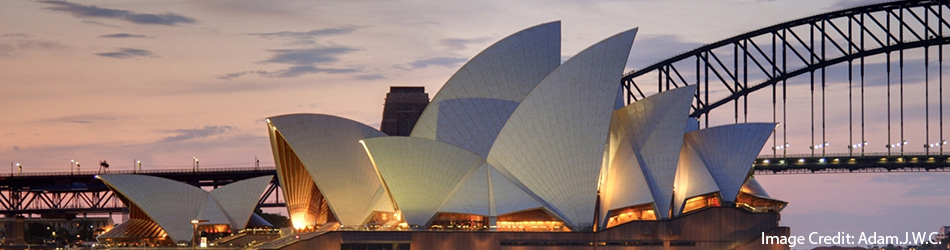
(37, 233)
(277, 220)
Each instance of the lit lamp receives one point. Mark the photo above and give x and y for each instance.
(194, 233)
(819, 146)
(783, 146)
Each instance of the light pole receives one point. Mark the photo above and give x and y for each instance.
(196, 164)
(71, 163)
(194, 233)
(20, 167)
(140, 165)
(78, 170)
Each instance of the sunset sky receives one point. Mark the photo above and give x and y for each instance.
(164, 82)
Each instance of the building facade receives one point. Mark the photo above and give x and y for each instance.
(402, 109)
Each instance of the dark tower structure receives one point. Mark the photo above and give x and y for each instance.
(403, 107)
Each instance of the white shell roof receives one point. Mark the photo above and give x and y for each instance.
(508, 196)
(211, 213)
(329, 148)
(239, 199)
(472, 123)
(471, 196)
(753, 187)
(645, 141)
(553, 143)
(171, 204)
(421, 174)
(692, 178)
(489, 192)
(728, 152)
(496, 79)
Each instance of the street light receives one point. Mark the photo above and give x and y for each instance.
(196, 164)
(78, 170)
(936, 144)
(20, 167)
(853, 146)
(194, 233)
(71, 163)
(140, 165)
(896, 145)
(819, 146)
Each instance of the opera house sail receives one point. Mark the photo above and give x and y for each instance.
(518, 141)
(161, 209)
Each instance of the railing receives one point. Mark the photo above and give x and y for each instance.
(150, 171)
(777, 156)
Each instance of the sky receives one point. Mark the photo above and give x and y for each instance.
(164, 82)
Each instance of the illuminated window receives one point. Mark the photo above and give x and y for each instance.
(531, 220)
(702, 201)
(628, 214)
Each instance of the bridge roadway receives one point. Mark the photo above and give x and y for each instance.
(81, 192)
(852, 163)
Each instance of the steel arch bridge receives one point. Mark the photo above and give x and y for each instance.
(872, 45)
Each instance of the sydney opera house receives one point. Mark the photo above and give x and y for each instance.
(164, 212)
(520, 150)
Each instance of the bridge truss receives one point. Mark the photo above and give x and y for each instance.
(833, 77)
(82, 193)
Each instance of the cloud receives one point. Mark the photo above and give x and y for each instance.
(127, 53)
(307, 34)
(294, 71)
(303, 70)
(186, 134)
(302, 62)
(20, 43)
(311, 105)
(79, 10)
(370, 77)
(15, 35)
(230, 76)
(15, 148)
(308, 56)
(437, 61)
(100, 24)
(81, 119)
(124, 35)
(460, 43)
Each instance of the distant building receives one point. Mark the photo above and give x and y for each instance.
(943, 233)
(14, 227)
(403, 107)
